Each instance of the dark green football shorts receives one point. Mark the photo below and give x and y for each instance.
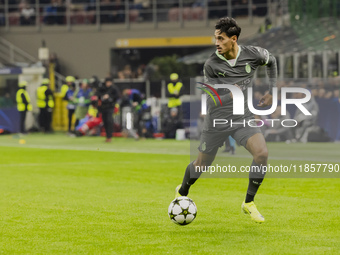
(211, 140)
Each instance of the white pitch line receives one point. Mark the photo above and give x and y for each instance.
(61, 147)
(59, 163)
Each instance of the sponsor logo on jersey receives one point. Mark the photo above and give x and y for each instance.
(248, 68)
(222, 74)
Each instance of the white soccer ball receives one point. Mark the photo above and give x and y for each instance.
(182, 210)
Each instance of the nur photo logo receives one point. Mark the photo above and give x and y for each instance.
(238, 99)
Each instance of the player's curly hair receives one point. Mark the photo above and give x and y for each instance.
(229, 26)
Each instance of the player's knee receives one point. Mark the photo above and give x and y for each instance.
(261, 156)
(202, 163)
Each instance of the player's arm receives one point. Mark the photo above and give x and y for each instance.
(24, 100)
(268, 60)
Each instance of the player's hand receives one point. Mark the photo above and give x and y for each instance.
(266, 100)
(106, 96)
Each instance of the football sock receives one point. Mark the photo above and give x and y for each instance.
(187, 181)
(249, 198)
(255, 181)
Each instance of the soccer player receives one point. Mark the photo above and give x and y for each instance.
(233, 64)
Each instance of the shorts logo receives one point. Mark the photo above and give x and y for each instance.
(204, 146)
(248, 68)
(208, 92)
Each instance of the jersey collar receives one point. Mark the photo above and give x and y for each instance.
(223, 58)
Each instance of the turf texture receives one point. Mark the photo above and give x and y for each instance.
(62, 195)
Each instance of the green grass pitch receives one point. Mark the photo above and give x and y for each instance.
(62, 195)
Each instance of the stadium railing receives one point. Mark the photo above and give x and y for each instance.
(96, 12)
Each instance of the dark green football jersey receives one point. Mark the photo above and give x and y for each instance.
(218, 70)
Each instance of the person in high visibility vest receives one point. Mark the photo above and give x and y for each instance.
(71, 105)
(175, 90)
(69, 83)
(45, 102)
(23, 104)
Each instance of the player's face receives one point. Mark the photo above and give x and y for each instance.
(223, 43)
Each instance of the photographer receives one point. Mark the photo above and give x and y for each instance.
(108, 94)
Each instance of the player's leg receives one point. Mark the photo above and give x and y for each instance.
(209, 144)
(256, 145)
(70, 114)
(22, 122)
(41, 119)
(253, 140)
(192, 172)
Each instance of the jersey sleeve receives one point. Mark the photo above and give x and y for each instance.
(262, 56)
(265, 58)
(208, 72)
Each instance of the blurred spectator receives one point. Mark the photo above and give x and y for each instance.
(54, 60)
(108, 94)
(198, 10)
(92, 121)
(69, 82)
(306, 122)
(82, 99)
(95, 84)
(126, 73)
(276, 132)
(118, 14)
(140, 72)
(150, 71)
(174, 91)
(230, 145)
(6, 101)
(2, 12)
(106, 11)
(132, 106)
(215, 9)
(27, 14)
(45, 103)
(171, 124)
(71, 105)
(146, 126)
(55, 13)
(266, 26)
(173, 13)
(240, 8)
(192, 10)
(260, 8)
(139, 9)
(23, 104)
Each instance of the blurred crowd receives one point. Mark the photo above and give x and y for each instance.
(128, 73)
(51, 12)
(91, 106)
(309, 128)
(97, 107)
